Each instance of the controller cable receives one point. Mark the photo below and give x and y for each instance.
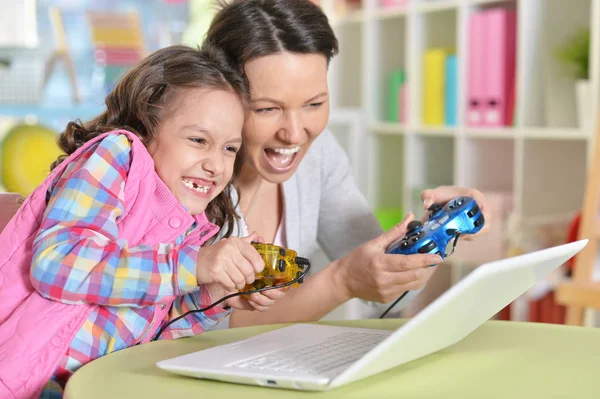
(299, 261)
(457, 234)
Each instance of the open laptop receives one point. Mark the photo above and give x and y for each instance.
(320, 357)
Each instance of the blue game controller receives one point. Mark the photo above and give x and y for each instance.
(446, 223)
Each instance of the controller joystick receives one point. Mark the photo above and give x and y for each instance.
(414, 225)
(435, 207)
(459, 216)
(436, 210)
(281, 266)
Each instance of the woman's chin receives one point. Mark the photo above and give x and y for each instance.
(276, 176)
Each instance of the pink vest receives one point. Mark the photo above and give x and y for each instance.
(35, 332)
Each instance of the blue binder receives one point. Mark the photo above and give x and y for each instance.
(451, 91)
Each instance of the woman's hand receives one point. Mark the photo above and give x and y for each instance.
(370, 274)
(260, 301)
(444, 194)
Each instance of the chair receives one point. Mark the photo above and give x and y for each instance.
(61, 52)
(581, 292)
(9, 204)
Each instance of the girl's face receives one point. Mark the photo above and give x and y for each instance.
(290, 108)
(196, 145)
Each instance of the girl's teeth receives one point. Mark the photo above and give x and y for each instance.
(196, 187)
(286, 151)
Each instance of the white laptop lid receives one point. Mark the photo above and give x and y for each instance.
(461, 309)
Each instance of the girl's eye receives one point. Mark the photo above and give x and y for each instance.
(232, 149)
(266, 110)
(315, 105)
(198, 140)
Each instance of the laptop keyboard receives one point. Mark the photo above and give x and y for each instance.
(338, 350)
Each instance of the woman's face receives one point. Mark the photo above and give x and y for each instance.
(289, 109)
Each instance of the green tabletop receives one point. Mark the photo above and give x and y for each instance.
(499, 360)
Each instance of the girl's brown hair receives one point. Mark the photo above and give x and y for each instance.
(138, 101)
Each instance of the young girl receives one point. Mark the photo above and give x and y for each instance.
(107, 249)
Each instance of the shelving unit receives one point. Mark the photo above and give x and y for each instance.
(540, 161)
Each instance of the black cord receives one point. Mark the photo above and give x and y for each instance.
(393, 304)
(298, 278)
(403, 295)
(454, 244)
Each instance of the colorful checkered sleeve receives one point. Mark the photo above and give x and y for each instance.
(78, 255)
(52, 390)
(194, 323)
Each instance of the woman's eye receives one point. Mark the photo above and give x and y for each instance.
(266, 110)
(198, 140)
(232, 149)
(315, 105)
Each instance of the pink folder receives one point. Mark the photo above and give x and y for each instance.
(475, 70)
(392, 3)
(403, 111)
(499, 66)
(117, 56)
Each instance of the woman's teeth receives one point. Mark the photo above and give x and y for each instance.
(196, 187)
(282, 158)
(286, 151)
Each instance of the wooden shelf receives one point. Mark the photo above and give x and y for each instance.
(566, 134)
(491, 133)
(434, 6)
(555, 134)
(388, 128)
(435, 130)
(350, 18)
(389, 13)
(483, 2)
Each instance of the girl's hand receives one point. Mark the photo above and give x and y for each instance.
(228, 266)
(232, 262)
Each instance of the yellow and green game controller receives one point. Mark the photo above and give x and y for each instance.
(281, 266)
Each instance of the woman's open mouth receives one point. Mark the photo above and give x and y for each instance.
(282, 159)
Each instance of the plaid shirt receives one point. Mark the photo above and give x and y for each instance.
(79, 258)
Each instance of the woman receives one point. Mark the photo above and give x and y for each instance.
(296, 188)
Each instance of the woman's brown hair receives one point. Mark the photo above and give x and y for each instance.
(139, 99)
(250, 29)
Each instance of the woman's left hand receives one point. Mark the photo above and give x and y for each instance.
(444, 194)
(260, 301)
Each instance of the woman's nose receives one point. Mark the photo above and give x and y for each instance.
(293, 130)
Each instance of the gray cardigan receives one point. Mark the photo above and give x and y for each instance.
(325, 208)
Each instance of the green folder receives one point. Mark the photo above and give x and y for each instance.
(395, 81)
